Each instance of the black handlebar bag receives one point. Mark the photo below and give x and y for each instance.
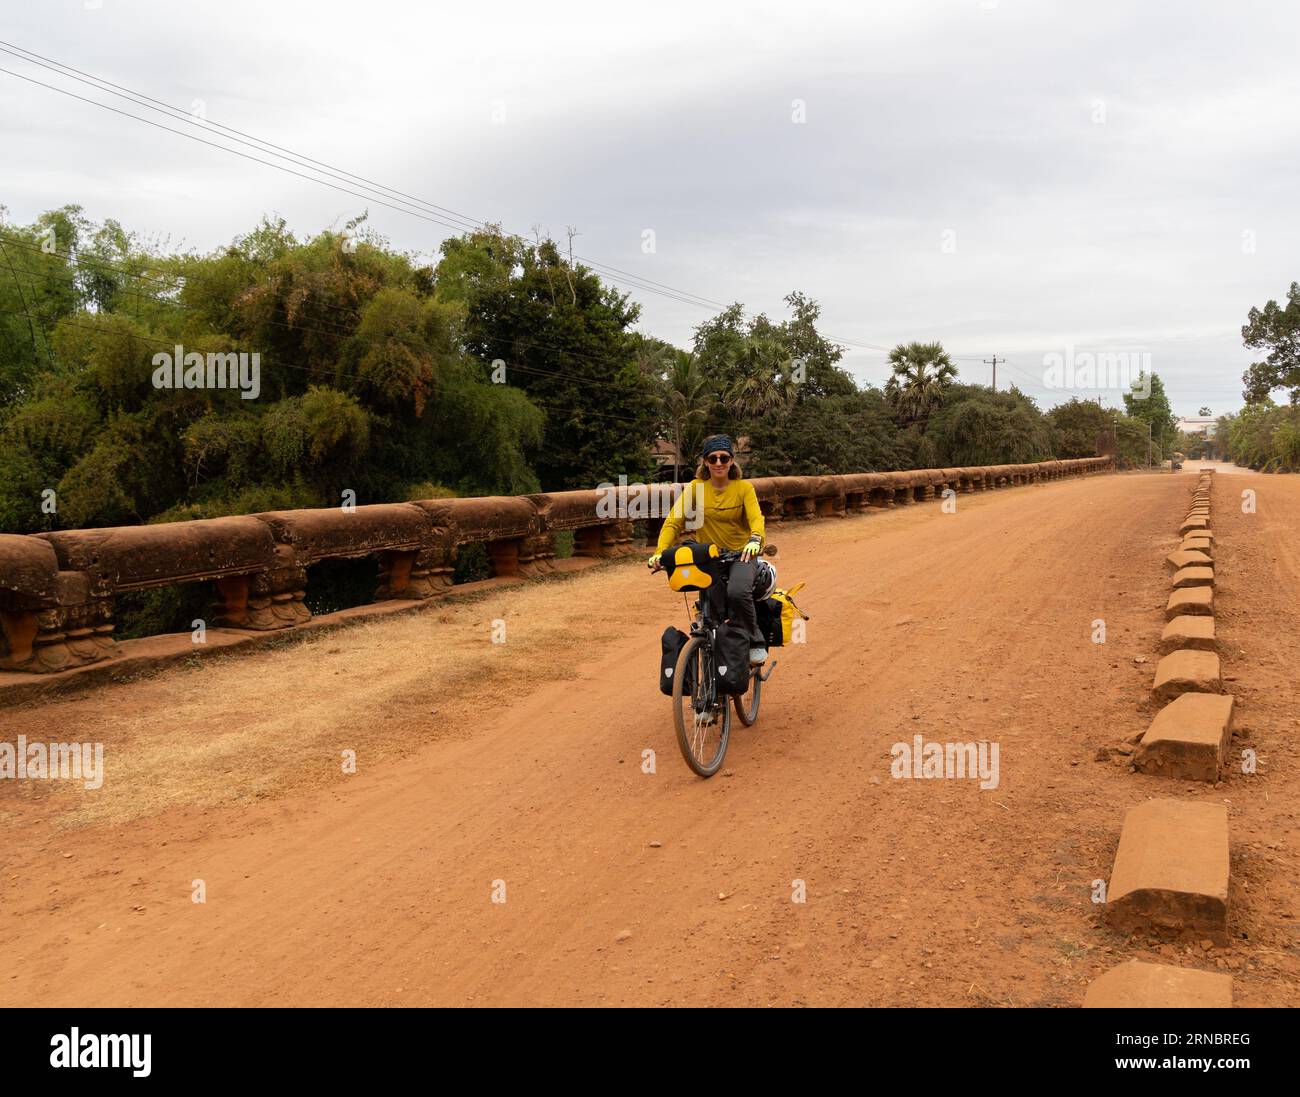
(694, 566)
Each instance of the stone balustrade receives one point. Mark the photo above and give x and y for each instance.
(57, 589)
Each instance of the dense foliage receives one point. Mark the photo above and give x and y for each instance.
(504, 368)
(1148, 404)
(1275, 328)
(1264, 435)
(365, 384)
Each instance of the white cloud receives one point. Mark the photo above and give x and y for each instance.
(964, 117)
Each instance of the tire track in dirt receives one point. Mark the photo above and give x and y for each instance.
(376, 890)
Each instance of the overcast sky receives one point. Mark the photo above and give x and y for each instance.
(1008, 177)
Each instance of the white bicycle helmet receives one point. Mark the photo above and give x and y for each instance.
(766, 580)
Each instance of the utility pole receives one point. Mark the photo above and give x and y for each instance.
(994, 362)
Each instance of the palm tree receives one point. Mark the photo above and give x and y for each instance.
(763, 383)
(922, 374)
(688, 401)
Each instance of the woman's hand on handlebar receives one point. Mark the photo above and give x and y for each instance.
(653, 563)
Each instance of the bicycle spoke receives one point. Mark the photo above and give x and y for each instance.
(702, 717)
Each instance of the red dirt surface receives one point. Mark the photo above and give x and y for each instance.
(624, 887)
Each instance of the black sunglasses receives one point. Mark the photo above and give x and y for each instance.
(718, 458)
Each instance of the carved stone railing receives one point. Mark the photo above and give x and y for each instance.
(57, 589)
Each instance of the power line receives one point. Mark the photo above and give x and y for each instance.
(341, 333)
(345, 334)
(31, 325)
(82, 259)
(141, 99)
(171, 280)
(166, 302)
(171, 111)
(631, 281)
(170, 344)
(154, 339)
(175, 282)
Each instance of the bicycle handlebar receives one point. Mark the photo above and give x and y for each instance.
(726, 556)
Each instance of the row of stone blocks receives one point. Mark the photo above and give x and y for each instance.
(1171, 871)
(57, 589)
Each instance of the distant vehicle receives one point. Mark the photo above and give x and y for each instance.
(1176, 460)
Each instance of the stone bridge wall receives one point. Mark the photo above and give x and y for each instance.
(57, 589)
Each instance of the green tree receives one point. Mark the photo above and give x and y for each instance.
(688, 402)
(1262, 436)
(766, 374)
(1190, 445)
(763, 379)
(807, 355)
(38, 287)
(1076, 426)
(853, 432)
(563, 338)
(922, 372)
(1147, 401)
(365, 383)
(1133, 443)
(1275, 328)
(977, 426)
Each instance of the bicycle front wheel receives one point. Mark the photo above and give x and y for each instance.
(702, 717)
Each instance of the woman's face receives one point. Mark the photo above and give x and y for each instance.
(719, 466)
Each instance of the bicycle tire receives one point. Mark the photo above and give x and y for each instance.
(748, 713)
(722, 711)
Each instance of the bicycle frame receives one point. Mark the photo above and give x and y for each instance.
(703, 624)
(707, 707)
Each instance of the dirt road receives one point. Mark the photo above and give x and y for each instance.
(485, 767)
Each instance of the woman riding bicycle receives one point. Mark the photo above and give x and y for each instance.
(731, 519)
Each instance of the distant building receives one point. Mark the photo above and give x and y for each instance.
(1198, 424)
(665, 453)
(665, 456)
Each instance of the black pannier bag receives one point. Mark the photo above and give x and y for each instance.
(731, 659)
(674, 639)
(768, 611)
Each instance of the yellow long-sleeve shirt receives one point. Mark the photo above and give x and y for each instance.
(724, 518)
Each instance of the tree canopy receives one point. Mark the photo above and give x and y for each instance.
(1148, 403)
(505, 367)
(1275, 328)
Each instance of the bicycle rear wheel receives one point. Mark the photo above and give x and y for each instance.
(703, 726)
(747, 703)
